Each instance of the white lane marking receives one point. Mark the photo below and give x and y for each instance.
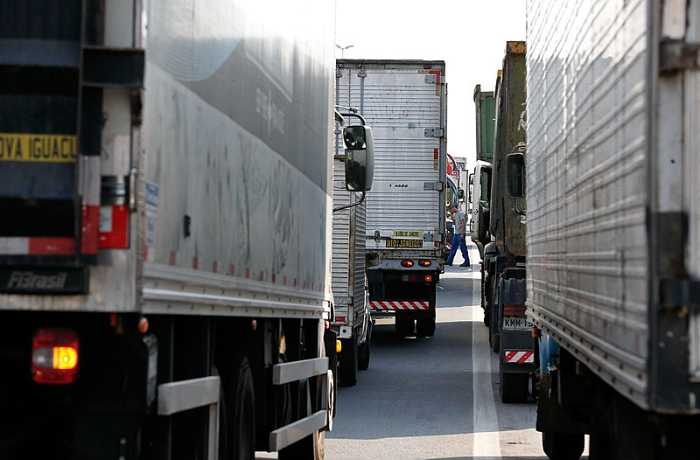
(487, 438)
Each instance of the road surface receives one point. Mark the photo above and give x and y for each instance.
(434, 398)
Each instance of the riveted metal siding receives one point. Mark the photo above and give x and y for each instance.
(348, 264)
(399, 101)
(587, 185)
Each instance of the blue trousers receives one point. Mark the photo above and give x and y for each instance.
(457, 241)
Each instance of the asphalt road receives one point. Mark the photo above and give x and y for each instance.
(434, 398)
(437, 397)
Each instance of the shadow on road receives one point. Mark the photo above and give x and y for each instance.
(415, 387)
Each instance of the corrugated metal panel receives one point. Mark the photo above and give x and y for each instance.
(587, 184)
(400, 101)
(348, 265)
(692, 184)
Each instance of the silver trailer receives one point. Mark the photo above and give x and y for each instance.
(164, 259)
(405, 102)
(352, 319)
(614, 225)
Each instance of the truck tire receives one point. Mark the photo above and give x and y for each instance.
(365, 350)
(238, 410)
(311, 447)
(404, 326)
(514, 387)
(349, 362)
(562, 446)
(494, 330)
(484, 305)
(425, 327)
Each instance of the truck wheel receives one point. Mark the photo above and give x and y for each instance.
(425, 327)
(514, 387)
(311, 447)
(563, 446)
(494, 331)
(404, 326)
(494, 336)
(365, 350)
(238, 410)
(349, 361)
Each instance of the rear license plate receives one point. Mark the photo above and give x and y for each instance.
(516, 324)
(400, 243)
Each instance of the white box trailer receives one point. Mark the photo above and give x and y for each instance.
(405, 103)
(614, 224)
(165, 178)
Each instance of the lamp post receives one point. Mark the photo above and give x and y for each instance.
(342, 49)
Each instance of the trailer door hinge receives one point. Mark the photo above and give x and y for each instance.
(433, 186)
(434, 132)
(677, 55)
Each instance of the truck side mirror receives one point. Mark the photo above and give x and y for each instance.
(359, 158)
(484, 223)
(471, 188)
(515, 175)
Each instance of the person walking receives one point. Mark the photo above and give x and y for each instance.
(459, 238)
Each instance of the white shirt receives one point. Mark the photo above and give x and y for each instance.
(460, 220)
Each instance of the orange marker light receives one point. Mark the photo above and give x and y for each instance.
(65, 358)
(143, 325)
(407, 263)
(55, 356)
(338, 346)
(428, 278)
(425, 263)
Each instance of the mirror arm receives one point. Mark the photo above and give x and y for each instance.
(351, 205)
(352, 112)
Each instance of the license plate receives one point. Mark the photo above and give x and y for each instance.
(516, 324)
(393, 243)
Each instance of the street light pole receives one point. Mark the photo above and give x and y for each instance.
(342, 49)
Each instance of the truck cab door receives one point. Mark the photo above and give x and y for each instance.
(481, 196)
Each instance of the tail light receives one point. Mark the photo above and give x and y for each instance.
(424, 263)
(510, 309)
(55, 356)
(407, 263)
(428, 278)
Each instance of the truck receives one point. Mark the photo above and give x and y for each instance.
(405, 103)
(352, 319)
(504, 252)
(479, 197)
(480, 178)
(165, 177)
(612, 193)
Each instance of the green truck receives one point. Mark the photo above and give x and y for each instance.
(500, 224)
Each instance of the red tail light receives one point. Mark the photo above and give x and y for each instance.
(407, 263)
(55, 356)
(510, 309)
(428, 278)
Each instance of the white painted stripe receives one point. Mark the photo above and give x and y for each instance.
(13, 246)
(512, 356)
(90, 177)
(398, 305)
(487, 438)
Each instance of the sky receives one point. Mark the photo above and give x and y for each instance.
(469, 35)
